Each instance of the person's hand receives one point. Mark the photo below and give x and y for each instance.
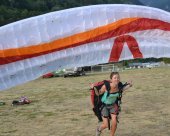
(91, 85)
(130, 83)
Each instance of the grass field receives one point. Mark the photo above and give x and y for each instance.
(61, 106)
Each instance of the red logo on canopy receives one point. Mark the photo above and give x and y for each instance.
(118, 47)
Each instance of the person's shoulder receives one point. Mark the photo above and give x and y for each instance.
(104, 86)
(120, 83)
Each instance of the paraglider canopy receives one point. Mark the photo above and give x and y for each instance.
(81, 36)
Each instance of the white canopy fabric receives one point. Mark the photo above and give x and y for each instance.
(81, 36)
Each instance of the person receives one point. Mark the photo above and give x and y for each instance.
(110, 107)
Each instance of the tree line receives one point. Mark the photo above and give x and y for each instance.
(14, 10)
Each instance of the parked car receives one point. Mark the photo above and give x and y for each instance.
(48, 75)
(77, 71)
(57, 73)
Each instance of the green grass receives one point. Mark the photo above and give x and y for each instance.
(61, 106)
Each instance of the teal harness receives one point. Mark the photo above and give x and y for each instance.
(110, 98)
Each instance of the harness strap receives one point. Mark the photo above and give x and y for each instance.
(119, 102)
(107, 84)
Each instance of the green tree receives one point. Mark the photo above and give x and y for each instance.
(13, 10)
(166, 60)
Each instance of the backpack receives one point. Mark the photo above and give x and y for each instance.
(23, 100)
(96, 100)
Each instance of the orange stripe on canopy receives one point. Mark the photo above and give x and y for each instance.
(64, 42)
(95, 35)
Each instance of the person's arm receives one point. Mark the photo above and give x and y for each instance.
(129, 84)
(101, 91)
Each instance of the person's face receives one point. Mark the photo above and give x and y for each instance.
(115, 79)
